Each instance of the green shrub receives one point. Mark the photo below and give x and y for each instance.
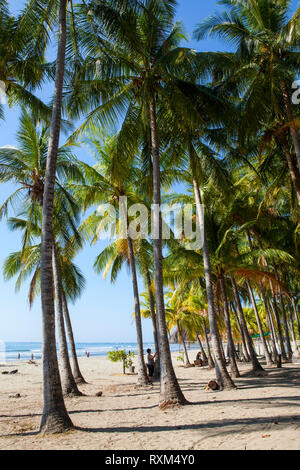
(180, 358)
(121, 356)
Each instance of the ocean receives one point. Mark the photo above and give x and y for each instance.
(9, 351)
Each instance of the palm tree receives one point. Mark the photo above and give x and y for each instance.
(195, 144)
(145, 263)
(27, 167)
(68, 282)
(23, 69)
(69, 386)
(112, 180)
(255, 364)
(55, 417)
(142, 65)
(195, 322)
(264, 65)
(111, 259)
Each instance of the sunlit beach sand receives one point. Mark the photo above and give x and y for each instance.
(263, 413)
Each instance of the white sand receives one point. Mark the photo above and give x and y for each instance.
(262, 414)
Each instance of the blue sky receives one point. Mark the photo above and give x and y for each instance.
(104, 312)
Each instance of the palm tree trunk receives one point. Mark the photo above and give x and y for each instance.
(170, 391)
(270, 322)
(55, 417)
(220, 339)
(141, 366)
(285, 324)
(292, 328)
(180, 333)
(296, 315)
(233, 366)
(245, 353)
(286, 328)
(154, 325)
(259, 324)
(69, 386)
(224, 379)
(76, 369)
(204, 357)
(211, 363)
(274, 308)
(293, 169)
(255, 363)
(269, 315)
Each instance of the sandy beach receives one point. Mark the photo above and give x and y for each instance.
(263, 413)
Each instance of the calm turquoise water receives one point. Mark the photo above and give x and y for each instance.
(9, 351)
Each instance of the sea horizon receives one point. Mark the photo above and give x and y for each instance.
(9, 350)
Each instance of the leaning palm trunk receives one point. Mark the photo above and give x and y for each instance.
(154, 325)
(269, 315)
(233, 365)
(292, 328)
(296, 315)
(211, 363)
(170, 391)
(274, 308)
(270, 322)
(55, 417)
(76, 369)
(285, 323)
(223, 377)
(69, 386)
(141, 367)
(259, 324)
(204, 356)
(255, 363)
(181, 335)
(286, 328)
(245, 354)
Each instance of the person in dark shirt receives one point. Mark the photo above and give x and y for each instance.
(150, 364)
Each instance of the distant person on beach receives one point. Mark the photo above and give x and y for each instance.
(19, 356)
(199, 359)
(32, 357)
(88, 354)
(150, 364)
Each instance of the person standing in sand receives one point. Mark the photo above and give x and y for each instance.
(150, 364)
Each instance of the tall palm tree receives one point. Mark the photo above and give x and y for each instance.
(112, 179)
(55, 417)
(142, 66)
(194, 144)
(27, 167)
(68, 283)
